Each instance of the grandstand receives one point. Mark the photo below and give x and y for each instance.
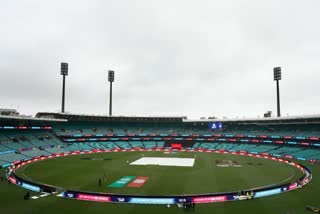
(297, 138)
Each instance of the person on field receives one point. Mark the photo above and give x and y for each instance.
(99, 181)
(248, 195)
(27, 196)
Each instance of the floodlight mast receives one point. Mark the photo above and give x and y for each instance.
(111, 80)
(64, 73)
(277, 77)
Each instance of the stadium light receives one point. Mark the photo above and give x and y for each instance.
(64, 73)
(277, 77)
(111, 80)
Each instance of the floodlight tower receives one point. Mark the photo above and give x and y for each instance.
(64, 73)
(277, 77)
(111, 80)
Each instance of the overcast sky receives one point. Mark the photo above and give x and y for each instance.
(193, 58)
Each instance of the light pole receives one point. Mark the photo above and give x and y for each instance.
(277, 77)
(111, 80)
(64, 73)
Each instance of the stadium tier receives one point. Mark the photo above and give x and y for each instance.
(291, 139)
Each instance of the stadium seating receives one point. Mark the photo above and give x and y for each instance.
(315, 156)
(84, 146)
(135, 144)
(262, 148)
(196, 145)
(12, 145)
(26, 144)
(54, 150)
(49, 142)
(109, 145)
(160, 143)
(96, 145)
(123, 144)
(72, 147)
(246, 147)
(123, 128)
(4, 148)
(285, 150)
(306, 153)
(225, 146)
(11, 157)
(3, 162)
(26, 139)
(207, 145)
(34, 153)
(149, 144)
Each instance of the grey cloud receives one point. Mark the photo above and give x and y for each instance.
(170, 57)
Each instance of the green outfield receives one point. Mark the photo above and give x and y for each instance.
(81, 173)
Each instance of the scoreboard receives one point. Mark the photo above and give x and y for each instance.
(215, 125)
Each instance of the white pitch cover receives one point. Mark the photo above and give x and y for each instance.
(188, 162)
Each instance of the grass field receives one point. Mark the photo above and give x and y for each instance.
(75, 173)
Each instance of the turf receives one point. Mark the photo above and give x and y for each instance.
(11, 197)
(74, 173)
